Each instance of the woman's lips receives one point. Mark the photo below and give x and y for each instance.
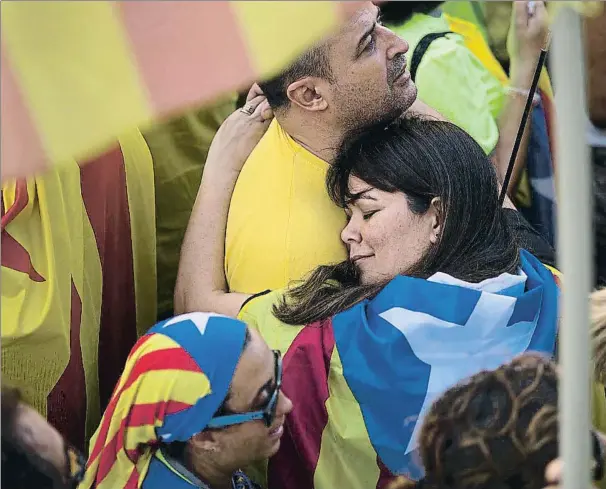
(277, 432)
(356, 258)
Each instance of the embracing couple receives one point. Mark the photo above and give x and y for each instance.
(361, 235)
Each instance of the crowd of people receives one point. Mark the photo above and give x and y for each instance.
(353, 306)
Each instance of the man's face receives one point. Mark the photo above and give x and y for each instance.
(371, 82)
(252, 386)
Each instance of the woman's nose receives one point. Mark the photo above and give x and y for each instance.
(284, 404)
(351, 232)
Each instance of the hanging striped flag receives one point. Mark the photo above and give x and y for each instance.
(361, 381)
(78, 281)
(77, 74)
(79, 242)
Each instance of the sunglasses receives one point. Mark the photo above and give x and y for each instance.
(267, 414)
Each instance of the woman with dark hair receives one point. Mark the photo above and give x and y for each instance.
(434, 290)
(433, 197)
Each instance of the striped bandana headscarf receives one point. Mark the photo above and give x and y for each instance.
(174, 380)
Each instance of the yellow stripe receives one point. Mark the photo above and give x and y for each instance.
(139, 169)
(159, 385)
(8, 193)
(557, 273)
(347, 458)
(73, 57)
(85, 267)
(294, 25)
(54, 229)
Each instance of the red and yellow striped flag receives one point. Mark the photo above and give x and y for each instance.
(174, 380)
(77, 74)
(78, 281)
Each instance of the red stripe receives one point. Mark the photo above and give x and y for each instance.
(306, 367)
(21, 149)
(557, 279)
(14, 254)
(105, 198)
(167, 359)
(16, 257)
(67, 401)
(133, 480)
(20, 203)
(139, 415)
(385, 476)
(165, 54)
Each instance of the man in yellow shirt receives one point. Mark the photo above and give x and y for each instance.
(281, 222)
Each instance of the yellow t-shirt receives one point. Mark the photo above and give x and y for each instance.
(281, 223)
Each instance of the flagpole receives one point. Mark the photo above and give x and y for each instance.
(575, 248)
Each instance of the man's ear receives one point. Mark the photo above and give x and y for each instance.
(307, 93)
(205, 441)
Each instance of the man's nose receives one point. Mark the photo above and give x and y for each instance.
(396, 45)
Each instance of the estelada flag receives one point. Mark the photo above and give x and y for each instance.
(75, 75)
(362, 380)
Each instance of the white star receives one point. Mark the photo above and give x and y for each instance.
(455, 352)
(200, 319)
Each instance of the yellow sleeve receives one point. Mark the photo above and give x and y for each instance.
(257, 313)
(472, 90)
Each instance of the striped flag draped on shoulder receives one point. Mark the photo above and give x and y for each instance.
(361, 381)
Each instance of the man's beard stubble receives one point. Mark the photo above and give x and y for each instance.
(366, 112)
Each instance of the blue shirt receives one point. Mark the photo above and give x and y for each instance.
(165, 472)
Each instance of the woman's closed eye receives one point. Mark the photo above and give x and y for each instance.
(369, 214)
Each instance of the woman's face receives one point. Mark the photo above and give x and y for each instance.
(383, 236)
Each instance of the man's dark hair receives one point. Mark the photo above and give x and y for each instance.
(314, 62)
(395, 13)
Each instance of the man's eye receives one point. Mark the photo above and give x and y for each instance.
(371, 44)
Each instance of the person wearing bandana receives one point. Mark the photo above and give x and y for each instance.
(200, 397)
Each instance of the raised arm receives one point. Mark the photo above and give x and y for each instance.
(201, 284)
(527, 36)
